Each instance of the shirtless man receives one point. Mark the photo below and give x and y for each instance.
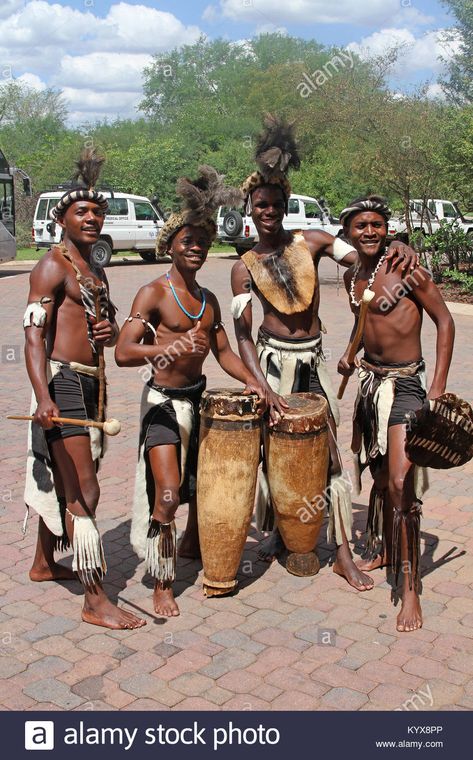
(391, 384)
(282, 272)
(63, 335)
(179, 323)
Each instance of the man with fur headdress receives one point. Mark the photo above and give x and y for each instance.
(281, 270)
(173, 325)
(68, 321)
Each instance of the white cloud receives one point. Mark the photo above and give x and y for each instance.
(10, 6)
(76, 50)
(409, 14)
(369, 12)
(39, 24)
(32, 80)
(106, 72)
(141, 28)
(210, 13)
(86, 105)
(417, 53)
(435, 91)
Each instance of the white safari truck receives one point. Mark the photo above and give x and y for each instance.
(426, 216)
(304, 213)
(132, 223)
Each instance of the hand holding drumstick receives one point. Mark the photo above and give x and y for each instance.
(346, 363)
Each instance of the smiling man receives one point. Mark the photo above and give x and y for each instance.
(392, 384)
(63, 338)
(282, 271)
(173, 325)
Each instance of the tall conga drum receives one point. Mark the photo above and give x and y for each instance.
(297, 454)
(229, 449)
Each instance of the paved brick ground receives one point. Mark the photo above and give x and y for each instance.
(281, 642)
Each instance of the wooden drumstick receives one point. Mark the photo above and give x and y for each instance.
(366, 298)
(110, 427)
(101, 358)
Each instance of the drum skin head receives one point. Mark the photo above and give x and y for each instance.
(307, 413)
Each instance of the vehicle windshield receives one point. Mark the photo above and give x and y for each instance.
(6, 204)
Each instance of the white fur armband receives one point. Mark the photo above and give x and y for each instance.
(239, 304)
(35, 313)
(341, 249)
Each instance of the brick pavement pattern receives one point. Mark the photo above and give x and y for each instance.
(280, 643)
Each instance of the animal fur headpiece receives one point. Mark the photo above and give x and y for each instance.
(368, 203)
(85, 177)
(276, 152)
(200, 200)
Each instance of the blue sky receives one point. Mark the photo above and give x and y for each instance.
(95, 50)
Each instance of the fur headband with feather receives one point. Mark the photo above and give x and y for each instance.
(85, 178)
(276, 152)
(200, 199)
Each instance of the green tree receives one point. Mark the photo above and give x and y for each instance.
(459, 86)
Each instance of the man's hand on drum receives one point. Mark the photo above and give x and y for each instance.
(276, 406)
(346, 369)
(252, 386)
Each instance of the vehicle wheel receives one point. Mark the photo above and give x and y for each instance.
(148, 256)
(232, 223)
(101, 253)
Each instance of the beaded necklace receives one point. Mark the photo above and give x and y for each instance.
(370, 281)
(176, 298)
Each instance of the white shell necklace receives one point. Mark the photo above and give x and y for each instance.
(370, 281)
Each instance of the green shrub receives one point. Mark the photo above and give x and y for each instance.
(450, 245)
(459, 278)
(23, 234)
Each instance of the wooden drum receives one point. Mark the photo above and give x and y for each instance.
(229, 450)
(297, 452)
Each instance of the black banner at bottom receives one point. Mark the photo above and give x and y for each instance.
(229, 735)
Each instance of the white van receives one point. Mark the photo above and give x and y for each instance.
(304, 213)
(132, 223)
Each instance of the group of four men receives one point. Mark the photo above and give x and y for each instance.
(65, 336)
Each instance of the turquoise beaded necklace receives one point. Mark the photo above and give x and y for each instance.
(176, 298)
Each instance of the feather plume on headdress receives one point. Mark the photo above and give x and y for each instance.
(200, 199)
(276, 149)
(276, 152)
(89, 166)
(85, 177)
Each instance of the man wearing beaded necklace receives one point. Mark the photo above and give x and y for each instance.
(179, 323)
(391, 384)
(294, 330)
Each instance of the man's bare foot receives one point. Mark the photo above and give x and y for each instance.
(164, 602)
(373, 563)
(189, 547)
(346, 568)
(410, 616)
(271, 547)
(108, 615)
(53, 572)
